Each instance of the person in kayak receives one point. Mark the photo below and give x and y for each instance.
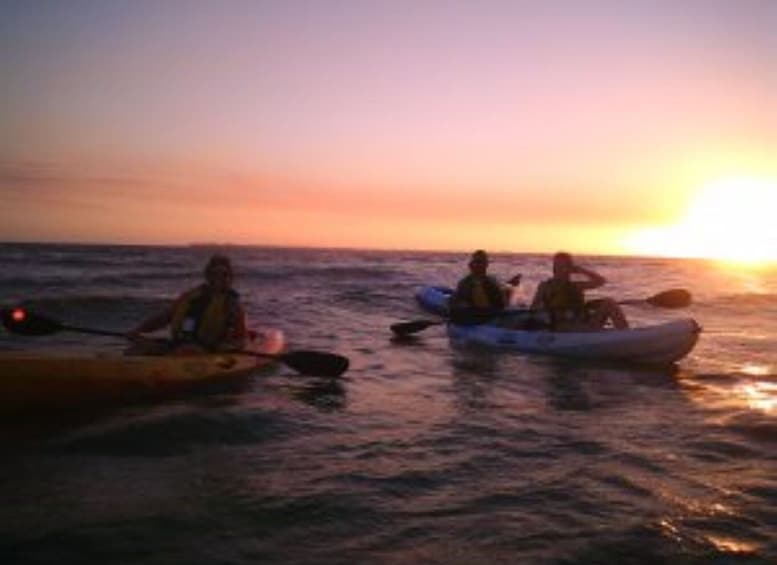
(564, 299)
(208, 317)
(481, 291)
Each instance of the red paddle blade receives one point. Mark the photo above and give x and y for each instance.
(21, 322)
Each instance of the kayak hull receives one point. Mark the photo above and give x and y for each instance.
(56, 379)
(660, 344)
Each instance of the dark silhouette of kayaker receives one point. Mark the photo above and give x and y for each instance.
(208, 317)
(564, 299)
(481, 291)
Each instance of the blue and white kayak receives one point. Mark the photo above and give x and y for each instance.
(659, 344)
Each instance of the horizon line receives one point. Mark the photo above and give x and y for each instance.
(217, 245)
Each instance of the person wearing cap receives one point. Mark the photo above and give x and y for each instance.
(563, 298)
(481, 291)
(208, 317)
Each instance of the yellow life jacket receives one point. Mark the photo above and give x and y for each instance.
(202, 317)
(563, 297)
(480, 292)
(479, 295)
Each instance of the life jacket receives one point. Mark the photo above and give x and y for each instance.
(564, 300)
(203, 317)
(480, 292)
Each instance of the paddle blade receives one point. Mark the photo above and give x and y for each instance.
(315, 363)
(20, 321)
(406, 328)
(674, 298)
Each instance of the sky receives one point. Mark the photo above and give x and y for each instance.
(509, 125)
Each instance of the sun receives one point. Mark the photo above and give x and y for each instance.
(731, 219)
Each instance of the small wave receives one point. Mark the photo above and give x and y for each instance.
(720, 450)
(754, 426)
(740, 300)
(106, 312)
(128, 276)
(175, 432)
(307, 272)
(29, 282)
(96, 302)
(723, 378)
(733, 378)
(648, 544)
(115, 277)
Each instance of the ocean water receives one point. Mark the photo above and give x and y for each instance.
(422, 453)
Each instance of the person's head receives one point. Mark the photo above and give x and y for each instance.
(218, 272)
(562, 265)
(478, 262)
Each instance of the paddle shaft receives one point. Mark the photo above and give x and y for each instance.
(307, 362)
(92, 331)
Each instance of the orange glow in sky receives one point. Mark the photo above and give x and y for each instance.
(510, 126)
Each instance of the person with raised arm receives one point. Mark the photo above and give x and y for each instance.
(563, 298)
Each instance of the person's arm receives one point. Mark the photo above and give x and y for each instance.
(538, 302)
(155, 322)
(593, 279)
(509, 289)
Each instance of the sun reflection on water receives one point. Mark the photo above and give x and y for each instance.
(756, 370)
(730, 545)
(684, 528)
(759, 395)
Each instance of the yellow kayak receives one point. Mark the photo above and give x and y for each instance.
(58, 379)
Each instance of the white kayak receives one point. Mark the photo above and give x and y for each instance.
(659, 344)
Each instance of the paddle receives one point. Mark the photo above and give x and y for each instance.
(460, 316)
(673, 298)
(316, 363)
(408, 328)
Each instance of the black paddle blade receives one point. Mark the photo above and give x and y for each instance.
(674, 298)
(20, 321)
(406, 328)
(316, 363)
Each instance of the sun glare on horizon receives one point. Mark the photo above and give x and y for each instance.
(731, 220)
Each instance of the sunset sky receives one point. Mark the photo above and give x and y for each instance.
(592, 126)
